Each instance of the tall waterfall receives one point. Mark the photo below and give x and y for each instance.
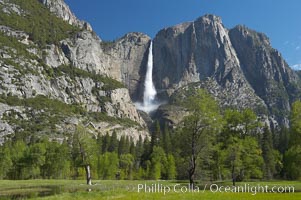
(149, 104)
(149, 88)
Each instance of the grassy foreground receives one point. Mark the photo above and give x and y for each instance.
(128, 190)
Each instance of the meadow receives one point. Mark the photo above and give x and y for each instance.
(128, 190)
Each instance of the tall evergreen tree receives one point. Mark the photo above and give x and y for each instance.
(166, 144)
(138, 152)
(132, 149)
(268, 153)
(99, 141)
(113, 146)
(127, 145)
(121, 146)
(146, 152)
(284, 138)
(156, 135)
(139, 148)
(106, 143)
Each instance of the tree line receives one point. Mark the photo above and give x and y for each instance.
(209, 144)
(105, 156)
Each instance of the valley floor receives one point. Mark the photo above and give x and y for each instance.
(131, 190)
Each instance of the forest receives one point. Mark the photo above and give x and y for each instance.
(210, 143)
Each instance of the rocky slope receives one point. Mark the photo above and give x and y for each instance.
(55, 77)
(238, 66)
(62, 10)
(268, 73)
(77, 72)
(129, 54)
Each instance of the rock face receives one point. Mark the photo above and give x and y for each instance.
(130, 53)
(80, 79)
(10, 8)
(197, 51)
(84, 51)
(267, 72)
(124, 59)
(62, 10)
(81, 71)
(238, 66)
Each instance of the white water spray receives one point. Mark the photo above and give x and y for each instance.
(150, 92)
(149, 88)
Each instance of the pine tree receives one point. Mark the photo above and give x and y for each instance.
(166, 140)
(105, 143)
(132, 149)
(127, 145)
(283, 143)
(268, 154)
(139, 152)
(156, 135)
(121, 145)
(113, 147)
(99, 141)
(146, 152)
(139, 147)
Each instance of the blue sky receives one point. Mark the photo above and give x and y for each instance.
(280, 20)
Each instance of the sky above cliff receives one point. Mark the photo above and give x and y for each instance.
(280, 20)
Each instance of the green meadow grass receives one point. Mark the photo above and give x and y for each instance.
(128, 190)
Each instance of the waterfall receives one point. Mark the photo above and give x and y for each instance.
(149, 103)
(149, 88)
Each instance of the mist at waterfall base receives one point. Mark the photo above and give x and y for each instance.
(149, 103)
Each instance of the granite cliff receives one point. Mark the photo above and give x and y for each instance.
(55, 77)
(51, 83)
(238, 66)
